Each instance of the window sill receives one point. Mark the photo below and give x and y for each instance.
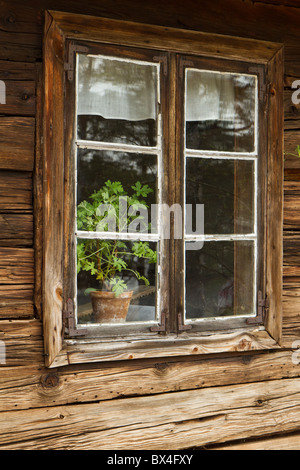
(77, 351)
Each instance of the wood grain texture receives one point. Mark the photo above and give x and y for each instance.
(16, 266)
(36, 387)
(22, 338)
(15, 191)
(216, 409)
(168, 421)
(53, 151)
(20, 98)
(274, 212)
(287, 442)
(17, 143)
(162, 38)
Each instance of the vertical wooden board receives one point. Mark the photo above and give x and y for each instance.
(275, 197)
(53, 189)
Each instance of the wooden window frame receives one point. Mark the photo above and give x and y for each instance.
(60, 28)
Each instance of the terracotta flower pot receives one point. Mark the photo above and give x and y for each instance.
(108, 308)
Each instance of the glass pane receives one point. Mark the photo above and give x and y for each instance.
(226, 189)
(117, 101)
(116, 281)
(219, 279)
(104, 179)
(220, 111)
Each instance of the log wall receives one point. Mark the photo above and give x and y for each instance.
(246, 400)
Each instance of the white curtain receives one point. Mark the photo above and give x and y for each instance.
(123, 89)
(116, 89)
(209, 96)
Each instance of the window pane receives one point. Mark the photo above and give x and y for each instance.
(226, 189)
(113, 175)
(219, 279)
(117, 101)
(116, 281)
(220, 111)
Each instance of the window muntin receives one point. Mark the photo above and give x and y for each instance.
(221, 172)
(118, 142)
(66, 33)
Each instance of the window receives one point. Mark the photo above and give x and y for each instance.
(163, 170)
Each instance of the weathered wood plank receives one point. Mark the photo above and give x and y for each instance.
(16, 229)
(291, 140)
(274, 211)
(162, 38)
(20, 32)
(22, 388)
(17, 71)
(291, 110)
(291, 254)
(87, 351)
(20, 98)
(53, 197)
(291, 302)
(17, 143)
(168, 421)
(15, 191)
(23, 339)
(16, 266)
(291, 218)
(288, 442)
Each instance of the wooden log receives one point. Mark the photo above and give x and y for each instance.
(22, 339)
(15, 191)
(291, 219)
(20, 32)
(20, 98)
(170, 421)
(291, 110)
(288, 442)
(17, 71)
(291, 140)
(17, 143)
(34, 387)
(291, 254)
(16, 266)
(16, 229)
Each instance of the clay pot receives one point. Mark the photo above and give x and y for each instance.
(108, 308)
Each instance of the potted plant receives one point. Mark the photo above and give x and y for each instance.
(106, 259)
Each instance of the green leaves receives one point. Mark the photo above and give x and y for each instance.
(105, 258)
(141, 190)
(118, 286)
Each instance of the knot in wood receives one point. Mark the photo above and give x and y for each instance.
(50, 380)
(244, 345)
(11, 18)
(162, 367)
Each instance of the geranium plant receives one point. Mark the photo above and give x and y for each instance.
(107, 259)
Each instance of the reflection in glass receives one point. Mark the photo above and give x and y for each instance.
(220, 111)
(117, 100)
(226, 188)
(220, 279)
(120, 269)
